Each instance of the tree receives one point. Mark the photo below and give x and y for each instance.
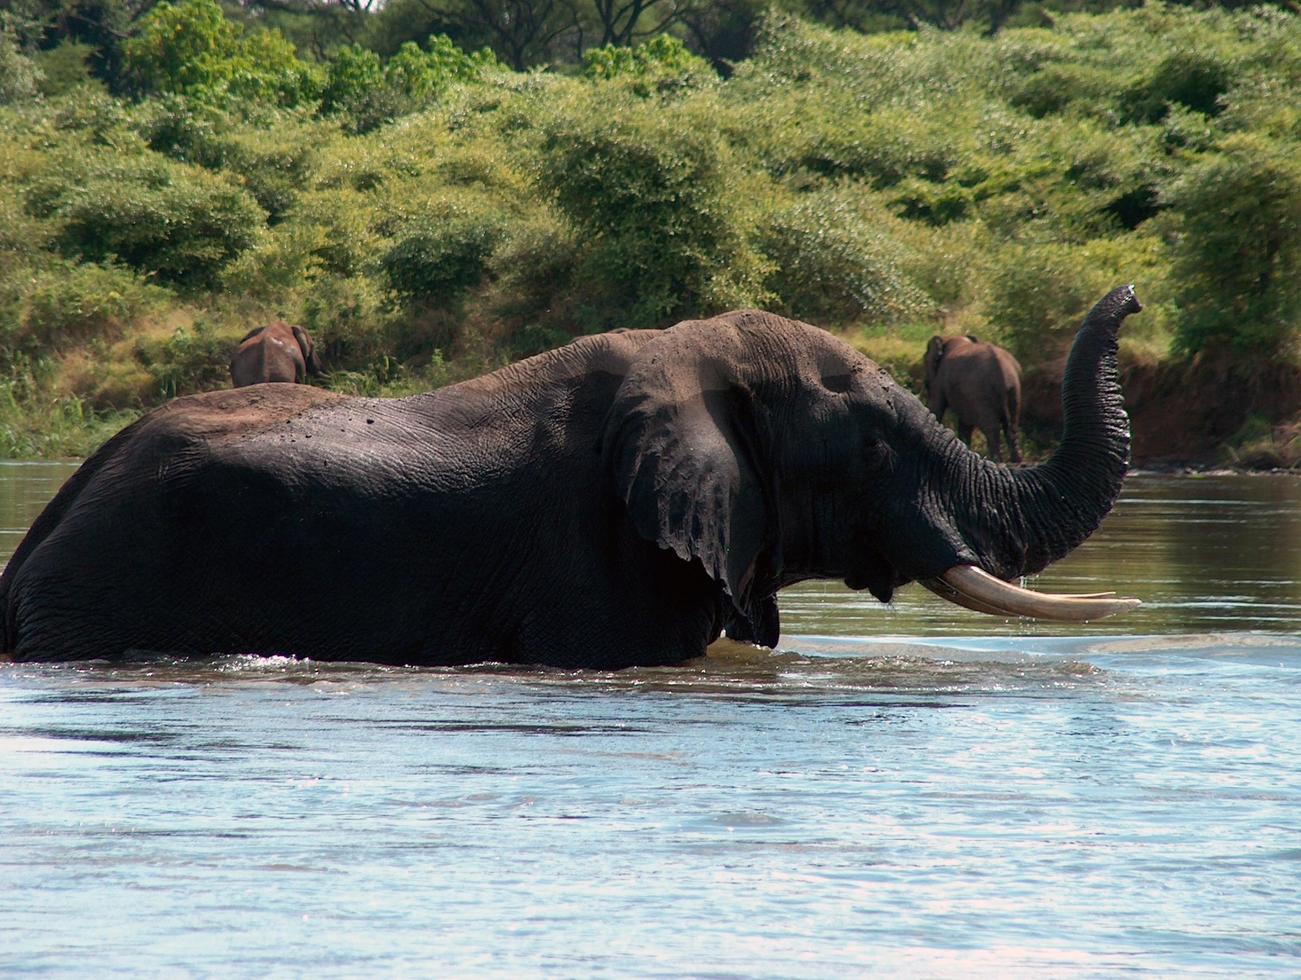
(522, 31)
(1237, 247)
(191, 49)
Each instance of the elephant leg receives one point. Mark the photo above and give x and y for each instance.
(1013, 450)
(992, 443)
(964, 432)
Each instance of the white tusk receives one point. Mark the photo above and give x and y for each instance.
(969, 586)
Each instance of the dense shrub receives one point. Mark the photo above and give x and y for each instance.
(655, 197)
(271, 163)
(69, 304)
(192, 359)
(1193, 79)
(830, 263)
(441, 250)
(20, 78)
(658, 66)
(191, 49)
(368, 94)
(178, 222)
(434, 213)
(1038, 295)
(1237, 247)
(348, 320)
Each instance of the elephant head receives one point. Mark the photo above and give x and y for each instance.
(826, 468)
(936, 348)
(312, 362)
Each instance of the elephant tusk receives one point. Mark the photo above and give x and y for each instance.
(972, 588)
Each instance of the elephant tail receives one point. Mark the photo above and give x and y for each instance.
(1012, 406)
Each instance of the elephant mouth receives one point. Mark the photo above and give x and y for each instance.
(973, 588)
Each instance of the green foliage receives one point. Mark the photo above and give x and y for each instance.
(70, 304)
(1237, 247)
(441, 250)
(175, 221)
(427, 213)
(368, 94)
(658, 66)
(272, 165)
(352, 74)
(830, 262)
(20, 78)
(655, 198)
(1038, 295)
(191, 49)
(65, 68)
(34, 422)
(190, 360)
(1193, 79)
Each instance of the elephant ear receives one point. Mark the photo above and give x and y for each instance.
(308, 348)
(682, 449)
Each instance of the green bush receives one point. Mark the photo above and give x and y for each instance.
(441, 250)
(189, 361)
(178, 222)
(272, 162)
(1236, 244)
(65, 68)
(368, 94)
(1193, 79)
(20, 78)
(536, 263)
(1037, 296)
(71, 304)
(189, 48)
(348, 319)
(831, 263)
(659, 209)
(659, 66)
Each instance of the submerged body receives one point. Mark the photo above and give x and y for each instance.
(610, 503)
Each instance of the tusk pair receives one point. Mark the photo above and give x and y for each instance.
(972, 588)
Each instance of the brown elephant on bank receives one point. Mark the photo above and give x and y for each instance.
(277, 352)
(981, 382)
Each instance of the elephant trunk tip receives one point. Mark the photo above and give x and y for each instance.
(1115, 306)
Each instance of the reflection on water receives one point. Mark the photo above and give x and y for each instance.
(910, 790)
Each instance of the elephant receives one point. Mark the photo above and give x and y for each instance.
(277, 352)
(981, 382)
(611, 503)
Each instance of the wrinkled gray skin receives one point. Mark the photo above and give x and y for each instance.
(276, 352)
(609, 503)
(981, 382)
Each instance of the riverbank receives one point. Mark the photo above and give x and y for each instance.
(1202, 413)
(1205, 412)
(887, 186)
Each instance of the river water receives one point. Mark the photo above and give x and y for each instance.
(915, 790)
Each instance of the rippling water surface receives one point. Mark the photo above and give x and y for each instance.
(913, 790)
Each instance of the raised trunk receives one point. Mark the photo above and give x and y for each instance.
(1018, 521)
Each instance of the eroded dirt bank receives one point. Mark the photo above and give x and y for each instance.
(1207, 411)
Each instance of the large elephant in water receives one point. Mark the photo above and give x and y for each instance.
(609, 503)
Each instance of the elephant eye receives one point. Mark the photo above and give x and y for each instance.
(839, 383)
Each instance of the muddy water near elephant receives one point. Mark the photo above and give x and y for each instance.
(911, 790)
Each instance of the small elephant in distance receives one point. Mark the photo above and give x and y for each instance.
(981, 382)
(277, 352)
